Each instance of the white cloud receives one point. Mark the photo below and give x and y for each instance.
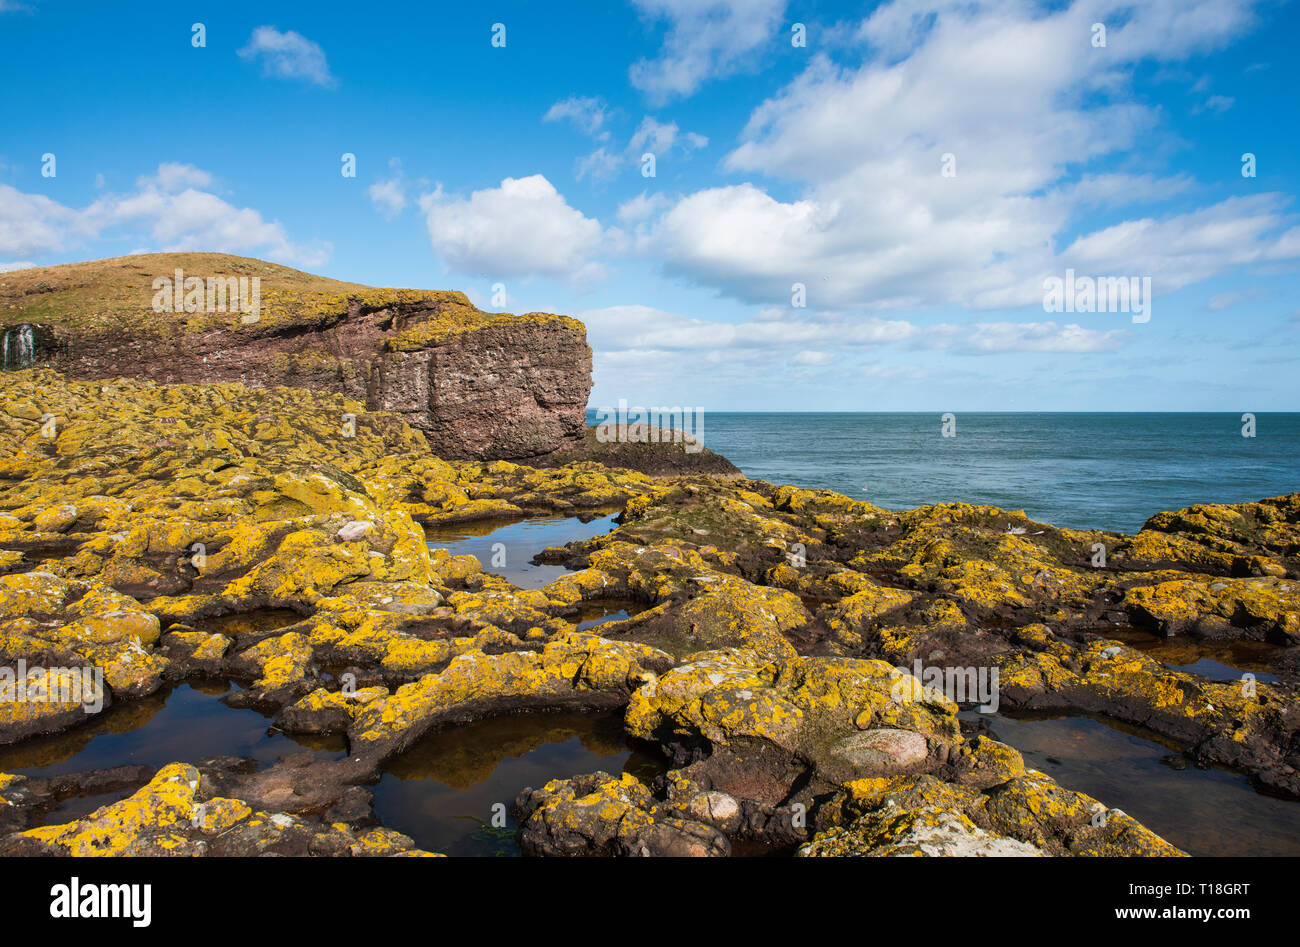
(660, 137)
(32, 224)
(197, 220)
(167, 205)
(1023, 103)
(173, 176)
(522, 228)
(288, 55)
(1188, 248)
(600, 165)
(1118, 189)
(644, 328)
(389, 196)
(703, 41)
(588, 114)
(642, 207)
(988, 338)
(20, 265)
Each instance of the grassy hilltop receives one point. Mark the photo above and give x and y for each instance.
(115, 297)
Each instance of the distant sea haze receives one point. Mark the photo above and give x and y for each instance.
(1082, 470)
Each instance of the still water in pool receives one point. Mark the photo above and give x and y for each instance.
(445, 790)
(1218, 659)
(1202, 811)
(180, 724)
(507, 549)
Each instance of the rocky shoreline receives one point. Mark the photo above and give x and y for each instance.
(763, 660)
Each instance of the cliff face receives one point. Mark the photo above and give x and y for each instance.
(478, 384)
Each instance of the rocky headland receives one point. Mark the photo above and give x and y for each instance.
(764, 660)
(477, 384)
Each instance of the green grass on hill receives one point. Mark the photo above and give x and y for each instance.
(115, 297)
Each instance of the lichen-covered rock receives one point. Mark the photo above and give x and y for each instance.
(1249, 538)
(157, 532)
(576, 670)
(902, 814)
(728, 613)
(1266, 607)
(175, 815)
(281, 665)
(196, 502)
(99, 638)
(603, 815)
(1034, 808)
(930, 832)
(193, 652)
(324, 711)
(807, 708)
(46, 700)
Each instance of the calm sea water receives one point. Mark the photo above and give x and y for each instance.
(1108, 471)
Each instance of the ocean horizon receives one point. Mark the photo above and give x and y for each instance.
(1085, 470)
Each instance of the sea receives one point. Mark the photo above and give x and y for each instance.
(1081, 470)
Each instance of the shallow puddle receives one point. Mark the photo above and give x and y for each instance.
(78, 807)
(248, 623)
(1213, 670)
(605, 619)
(442, 792)
(1202, 811)
(1218, 659)
(602, 612)
(506, 548)
(181, 724)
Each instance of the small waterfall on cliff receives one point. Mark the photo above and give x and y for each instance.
(18, 348)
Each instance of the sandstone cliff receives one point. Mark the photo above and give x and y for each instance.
(478, 384)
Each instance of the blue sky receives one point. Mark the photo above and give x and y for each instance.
(775, 164)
